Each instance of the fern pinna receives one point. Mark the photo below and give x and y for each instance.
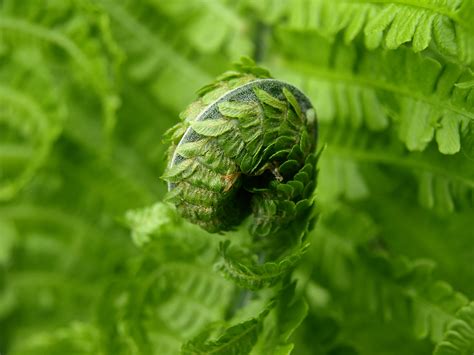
(247, 144)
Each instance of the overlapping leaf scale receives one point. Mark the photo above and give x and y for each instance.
(252, 134)
(446, 26)
(367, 88)
(286, 142)
(261, 125)
(276, 209)
(248, 136)
(204, 180)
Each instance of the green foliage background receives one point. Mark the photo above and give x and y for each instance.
(87, 89)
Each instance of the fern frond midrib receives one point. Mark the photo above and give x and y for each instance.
(383, 158)
(415, 4)
(328, 75)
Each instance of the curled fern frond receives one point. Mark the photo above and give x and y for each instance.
(244, 147)
(26, 136)
(87, 42)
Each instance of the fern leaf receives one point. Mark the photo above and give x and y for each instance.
(248, 274)
(45, 34)
(238, 339)
(447, 25)
(445, 183)
(95, 71)
(289, 312)
(397, 287)
(361, 89)
(77, 338)
(212, 128)
(160, 64)
(23, 117)
(174, 293)
(459, 337)
(466, 84)
(341, 176)
(199, 298)
(227, 31)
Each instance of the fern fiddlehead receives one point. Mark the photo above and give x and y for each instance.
(244, 147)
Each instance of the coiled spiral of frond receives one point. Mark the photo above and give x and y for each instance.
(244, 147)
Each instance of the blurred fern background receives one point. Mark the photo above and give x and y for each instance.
(87, 89)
